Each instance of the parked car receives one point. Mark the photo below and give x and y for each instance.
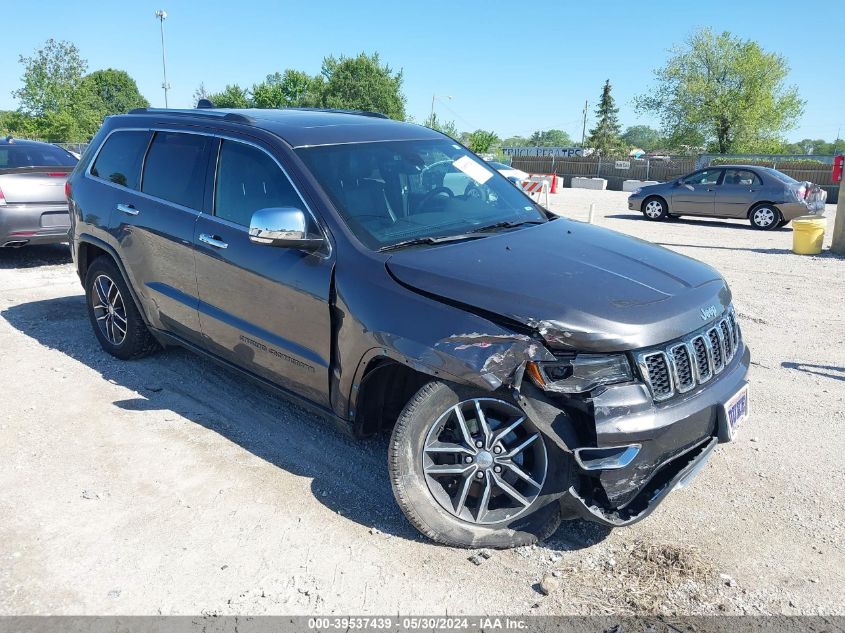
(512, 174)
(315, 252)
(766, 197)
(33, 206)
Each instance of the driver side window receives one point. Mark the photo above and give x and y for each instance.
(249, 180)
(706, 177)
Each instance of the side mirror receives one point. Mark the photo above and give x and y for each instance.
(286, 227)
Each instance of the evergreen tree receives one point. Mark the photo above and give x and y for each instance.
(604, 138)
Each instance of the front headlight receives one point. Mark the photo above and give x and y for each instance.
(580, 373)
(637, 191)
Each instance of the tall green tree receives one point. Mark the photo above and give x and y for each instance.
(727, 91)
(644, 137)
(232, 96)
(363, 83)
(550, 138)
(481, 141)
(291, 89)
(605, 136)
(50, 79)
(115, 90)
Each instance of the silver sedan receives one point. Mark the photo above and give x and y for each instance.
(33, 205)
(765, 197)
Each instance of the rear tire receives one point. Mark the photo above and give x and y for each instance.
(655, 209)
(765, 217)
(441, 477)
(115, 318)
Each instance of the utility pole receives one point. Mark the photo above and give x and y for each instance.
(162, 16)
(584, 125)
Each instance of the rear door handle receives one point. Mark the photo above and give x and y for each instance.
(128, 209)
(213, 240)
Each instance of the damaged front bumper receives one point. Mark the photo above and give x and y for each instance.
(668, 442)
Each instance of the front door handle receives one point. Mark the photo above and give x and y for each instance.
(213, 240)
(128, 209)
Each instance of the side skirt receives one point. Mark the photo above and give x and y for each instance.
(170, 340)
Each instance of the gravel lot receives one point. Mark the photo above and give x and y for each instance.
(169, 485)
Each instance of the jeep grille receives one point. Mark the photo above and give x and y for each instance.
(680, 366)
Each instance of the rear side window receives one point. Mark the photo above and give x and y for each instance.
(175, 168)
(12, 156)
(249, 180)
(742, 177)
(119, 161)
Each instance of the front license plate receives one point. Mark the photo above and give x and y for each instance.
(736, 410)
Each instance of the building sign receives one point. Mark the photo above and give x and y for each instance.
(622, 164)
(545, 151)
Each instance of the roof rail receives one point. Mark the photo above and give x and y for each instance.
(376, 115)
(234, 117)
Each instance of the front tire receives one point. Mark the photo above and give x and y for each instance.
(469, 469)
(115, 318)
(765, 217)
(655, 209)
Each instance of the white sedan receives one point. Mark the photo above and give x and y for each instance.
(507, 171)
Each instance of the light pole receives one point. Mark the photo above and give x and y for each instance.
(433, 97)
(161, 14)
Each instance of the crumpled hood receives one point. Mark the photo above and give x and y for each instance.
(579, 286)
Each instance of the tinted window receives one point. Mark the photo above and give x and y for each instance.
(120, 159)
(249, 180)
(742, 177)
(706, 177)
(175, 168)
(34, 156)
(781, 176)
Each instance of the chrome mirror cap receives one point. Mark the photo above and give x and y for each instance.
(284, 227)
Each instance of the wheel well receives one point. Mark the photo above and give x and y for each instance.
(654, 196)
(86, 254)
(763, 202)
(387, 386)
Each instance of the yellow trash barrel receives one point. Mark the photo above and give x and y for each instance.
(808, 235)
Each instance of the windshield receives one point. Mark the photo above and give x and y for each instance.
(398, 191)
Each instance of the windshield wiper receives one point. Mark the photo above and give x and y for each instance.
(429, 240)
(507, 224)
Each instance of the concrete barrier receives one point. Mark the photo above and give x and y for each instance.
(631, 185)
(588, 183)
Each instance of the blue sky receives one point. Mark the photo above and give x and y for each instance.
(510, 67)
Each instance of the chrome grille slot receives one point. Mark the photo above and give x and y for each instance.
(702, 359)
(716, 350)
(728, 340)
(657, 367)
(684, 376)
(734, 329)
(681, 365)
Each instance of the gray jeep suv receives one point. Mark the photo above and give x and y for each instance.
(529, 368)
